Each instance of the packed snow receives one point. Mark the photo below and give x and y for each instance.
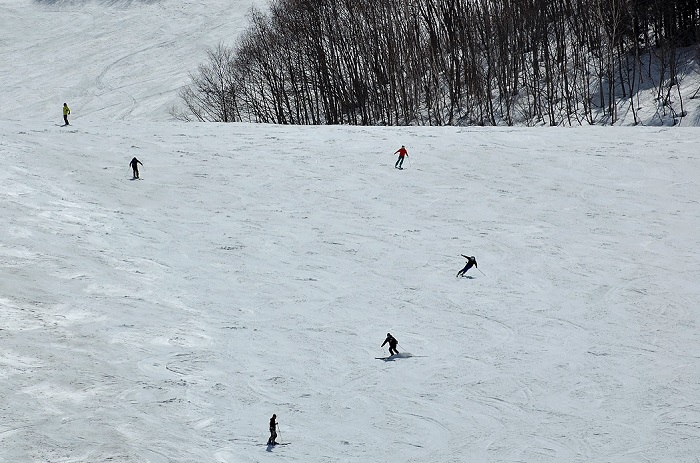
(108, 59)
(256, 269)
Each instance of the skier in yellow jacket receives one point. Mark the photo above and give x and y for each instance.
(66, 112)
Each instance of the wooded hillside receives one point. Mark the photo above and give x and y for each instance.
(438, 62)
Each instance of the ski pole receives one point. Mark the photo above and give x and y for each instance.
(480, 271)
(409, 161)
(279, 431)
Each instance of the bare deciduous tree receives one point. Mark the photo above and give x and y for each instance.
(484, 62)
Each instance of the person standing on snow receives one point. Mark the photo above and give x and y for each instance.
(66, 112)
(392, 344)
(273, 430)
(135, 166)
(402, 152)
(471, 262)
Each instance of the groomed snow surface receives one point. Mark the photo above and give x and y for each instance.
(108, 59)
(257, 269)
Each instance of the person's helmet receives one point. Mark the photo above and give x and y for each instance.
(388, 334)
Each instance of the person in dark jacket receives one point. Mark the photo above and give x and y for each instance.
(392, 344)
(273, 430)
(135, 166)
(471, 262)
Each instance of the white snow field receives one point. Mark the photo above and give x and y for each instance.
(256, 269)
(108, 59)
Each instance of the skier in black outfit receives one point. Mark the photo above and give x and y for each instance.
(273, 430)
(135, 166)
(392, 344)
(471, 262)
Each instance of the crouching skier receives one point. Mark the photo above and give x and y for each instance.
(392, 344)
(471, 262)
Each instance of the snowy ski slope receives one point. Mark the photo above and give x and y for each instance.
(256, 270)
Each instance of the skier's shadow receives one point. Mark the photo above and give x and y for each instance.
(400, 355)
(270, 446)
(468, 277)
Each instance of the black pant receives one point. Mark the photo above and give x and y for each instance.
(136, 172)
(65, 119)
(392, 350)
(399, 162)
(464, 270)
(273, 436)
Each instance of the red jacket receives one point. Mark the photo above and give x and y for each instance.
(402, 151)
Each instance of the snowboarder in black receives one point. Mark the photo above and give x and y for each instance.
(392, 344)
(471, 262)
(135, 166)
(273, 430)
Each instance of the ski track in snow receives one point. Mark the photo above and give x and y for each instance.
(108, 59)
(256, 269)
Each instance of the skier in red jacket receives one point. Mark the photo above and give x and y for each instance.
(402, 152)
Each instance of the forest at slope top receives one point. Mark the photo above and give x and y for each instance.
(457, 62)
